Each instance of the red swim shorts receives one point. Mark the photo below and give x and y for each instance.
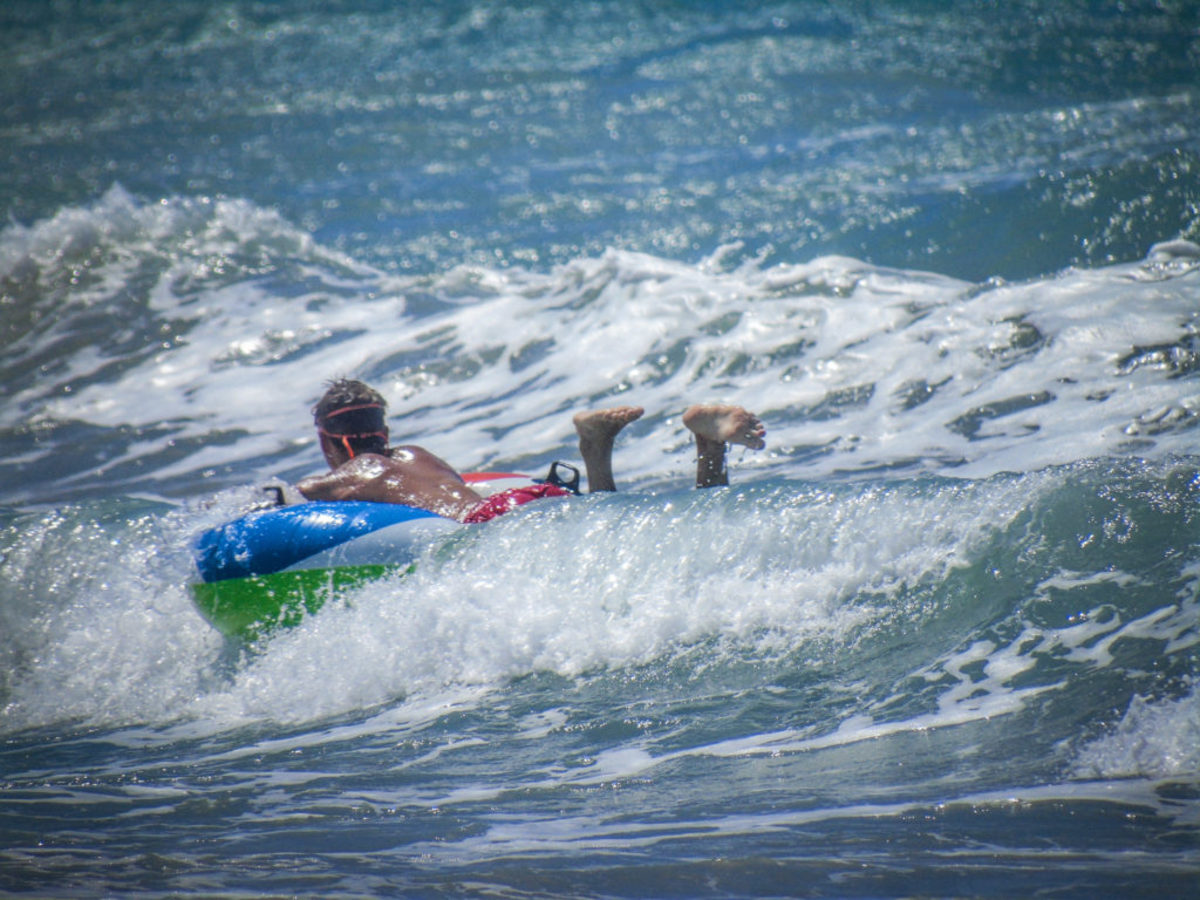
(506, 501)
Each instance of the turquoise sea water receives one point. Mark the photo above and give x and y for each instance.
(940, 637)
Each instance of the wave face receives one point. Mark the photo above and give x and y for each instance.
(939, 637)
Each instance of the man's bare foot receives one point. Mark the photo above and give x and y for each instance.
(597, 430)
(727, 424)
(599, 425)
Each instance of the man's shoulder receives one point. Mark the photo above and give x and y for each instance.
(367, 464)
(350, 478)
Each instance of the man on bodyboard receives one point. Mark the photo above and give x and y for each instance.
(350, 420)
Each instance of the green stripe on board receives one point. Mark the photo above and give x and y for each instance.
(250, 608)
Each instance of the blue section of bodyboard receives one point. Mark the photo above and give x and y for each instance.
(265, 542)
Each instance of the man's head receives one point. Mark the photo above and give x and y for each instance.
(350, 420)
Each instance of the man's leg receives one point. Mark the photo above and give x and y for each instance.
(597, 429)
(715, 426)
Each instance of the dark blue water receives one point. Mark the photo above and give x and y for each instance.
(940, 638)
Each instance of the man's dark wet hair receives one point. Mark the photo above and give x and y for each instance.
(352, 413)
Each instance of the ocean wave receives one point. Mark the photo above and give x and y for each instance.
(939, 601)
(191, 336)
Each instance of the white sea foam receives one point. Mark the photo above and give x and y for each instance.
(604, 582)
(1156, 739)
(623, 581)
(852, 366)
